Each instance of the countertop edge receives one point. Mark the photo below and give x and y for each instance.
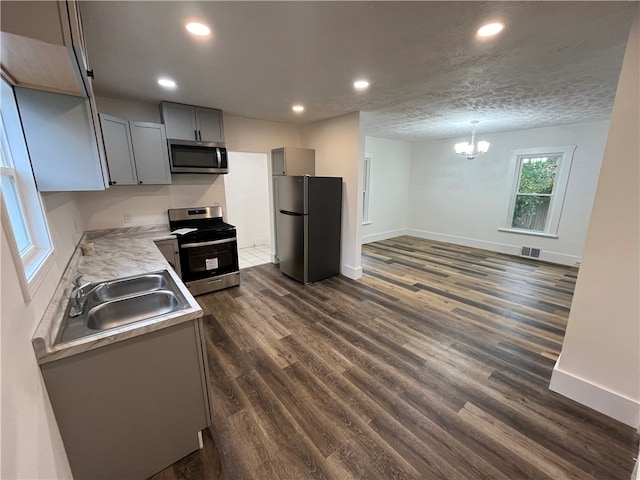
(149, 260)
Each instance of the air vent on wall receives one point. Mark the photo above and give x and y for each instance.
(530, 252)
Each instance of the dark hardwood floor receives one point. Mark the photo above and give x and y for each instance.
(435, 365)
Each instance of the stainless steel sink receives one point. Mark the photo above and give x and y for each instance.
(122, 311)
(129, 286)
(121, 302)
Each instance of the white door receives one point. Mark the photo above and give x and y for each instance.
(247, 194)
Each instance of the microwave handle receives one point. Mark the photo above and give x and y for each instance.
(218, 154)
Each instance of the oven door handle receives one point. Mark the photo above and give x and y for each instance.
(206, 244)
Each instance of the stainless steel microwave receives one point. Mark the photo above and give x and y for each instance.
(188, 156)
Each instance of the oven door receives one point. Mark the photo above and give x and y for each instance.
(205, 259)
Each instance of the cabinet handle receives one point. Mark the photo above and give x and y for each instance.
(113, 183)
(199, 135)
(90, 73)
(140, 182)
(195, 132)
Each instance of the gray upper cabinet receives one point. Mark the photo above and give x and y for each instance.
(293, 161)
(43, 46)
(188, 122)
(136, 152)
(209, 123)
(61, 137)
(150, 153)
(179, 120)
(119, 150)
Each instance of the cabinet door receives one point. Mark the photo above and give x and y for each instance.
(150, 153)
(277, 162)
(209, 123)
(169, 249)
(179, 121)
(62, 143)
(119, 150)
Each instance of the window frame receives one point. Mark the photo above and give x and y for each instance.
(557, 196)
(366, 190)
(33, 264)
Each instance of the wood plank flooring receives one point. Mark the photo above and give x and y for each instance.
(434, 366)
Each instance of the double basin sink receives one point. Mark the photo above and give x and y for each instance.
(119, 302)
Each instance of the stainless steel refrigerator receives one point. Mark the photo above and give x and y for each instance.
(308, 224)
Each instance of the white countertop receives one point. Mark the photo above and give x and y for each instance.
(121, 252)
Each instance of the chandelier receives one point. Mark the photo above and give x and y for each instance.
(469, 150)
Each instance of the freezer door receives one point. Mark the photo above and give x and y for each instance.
(291, 194)
(290, 244)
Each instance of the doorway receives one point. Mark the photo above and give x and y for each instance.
(247, 194)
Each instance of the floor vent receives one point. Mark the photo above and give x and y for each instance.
(530, 252)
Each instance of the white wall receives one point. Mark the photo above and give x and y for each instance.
(129, 109)
(339, 147)
(148, 204)
(31, 443)
(388, 188)
(249, 135)
(463, 201)
(248, 201)
(241, 134)
(600, 361)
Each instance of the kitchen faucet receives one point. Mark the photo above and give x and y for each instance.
(79, 297)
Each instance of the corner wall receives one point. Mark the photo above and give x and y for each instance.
(600, 361)
(339, 148)
(465, 201)
(31, 443)
(388, 188)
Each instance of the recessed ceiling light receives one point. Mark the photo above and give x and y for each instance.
(490, 29)
(199, 29)
(166, 83)
(297, 108)
(361, 85)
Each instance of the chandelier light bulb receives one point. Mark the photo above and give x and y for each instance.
(470, 150)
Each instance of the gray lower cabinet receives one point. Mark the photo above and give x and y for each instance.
(169, 249)
(132, 408)
(136, 151)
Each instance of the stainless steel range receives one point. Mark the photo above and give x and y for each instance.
(208, 254)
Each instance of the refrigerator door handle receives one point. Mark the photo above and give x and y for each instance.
(294, 214)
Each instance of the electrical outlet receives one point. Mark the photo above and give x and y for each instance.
(127, 218)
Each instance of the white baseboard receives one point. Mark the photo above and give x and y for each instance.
(612, 404)
(351, 272)
(376, 237)
(509, 249)
(252, 242)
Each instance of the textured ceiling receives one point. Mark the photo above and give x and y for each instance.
(555, 62)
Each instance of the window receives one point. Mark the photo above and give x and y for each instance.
(541, 177)
(365, 190)
(23, 217)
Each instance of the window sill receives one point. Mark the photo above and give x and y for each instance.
(366, 223)
(528, 232)
(37, 269)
